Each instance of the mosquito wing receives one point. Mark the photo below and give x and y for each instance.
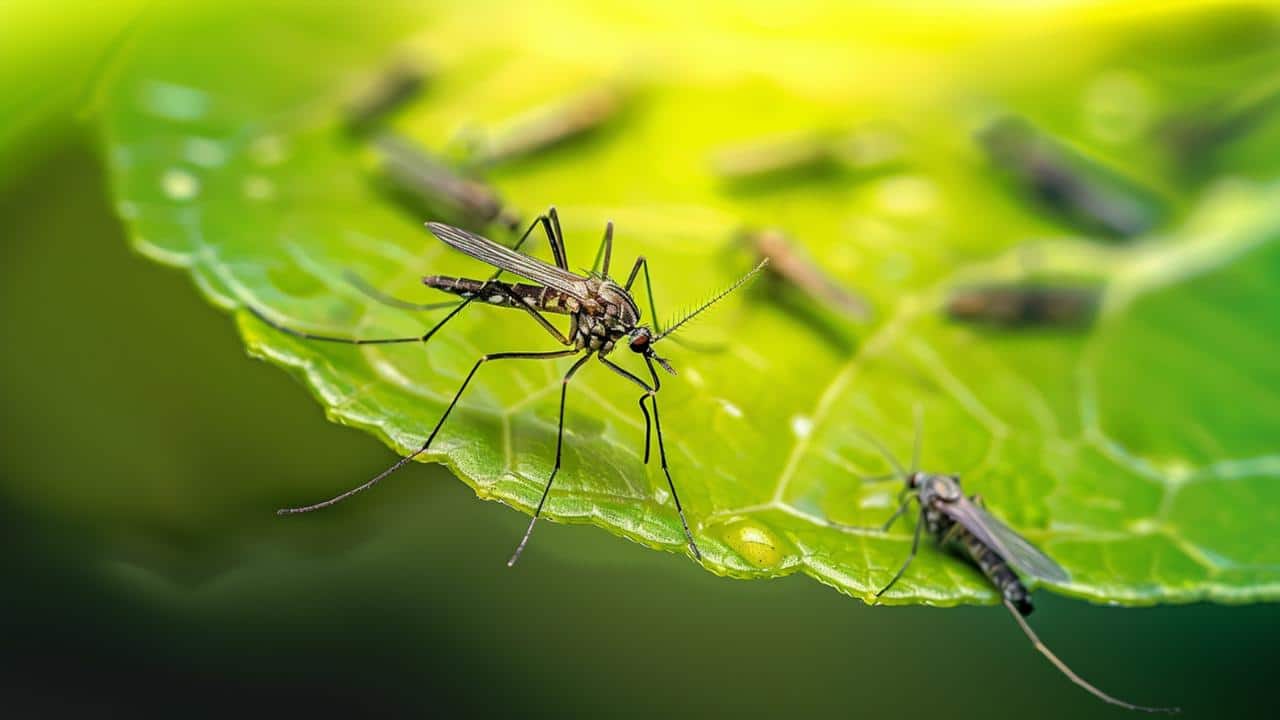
(488, 251)
(1014, 548)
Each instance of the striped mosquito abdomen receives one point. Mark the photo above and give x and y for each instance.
(496, 292)
(996, 569)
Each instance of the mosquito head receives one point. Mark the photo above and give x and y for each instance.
(641, 341)
(915, 479)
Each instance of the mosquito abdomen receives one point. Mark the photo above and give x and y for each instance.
(496, 292)
(998, 571)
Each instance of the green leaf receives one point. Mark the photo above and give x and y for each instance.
(1139, 454)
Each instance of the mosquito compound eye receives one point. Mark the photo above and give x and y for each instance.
(640, 343)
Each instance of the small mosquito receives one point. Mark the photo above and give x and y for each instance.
(801, 153)
(790, 263)
(960, 521)
(382, 94)
(546, 127)
(1024, 304)
(428, 184)
(1072, 186)
(602, 316)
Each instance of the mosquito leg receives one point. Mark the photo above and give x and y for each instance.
(902, 508)
(388, 341)
(564, 388)
(651, 392)
(439, 424)
(1045, 651)
(641, 262)
(556, 236)
(604, 251)
(377, 295)
(519, 302)
(915, 545)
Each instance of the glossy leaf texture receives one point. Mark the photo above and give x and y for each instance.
(1140, 453)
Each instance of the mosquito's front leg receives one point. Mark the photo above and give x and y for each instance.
(651, 393)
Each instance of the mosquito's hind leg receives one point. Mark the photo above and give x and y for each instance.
(457, 308)
(564, 388)
(377, 295)
(439, 424)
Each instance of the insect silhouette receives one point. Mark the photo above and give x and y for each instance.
(1024, 305)
(790, 263)
(960, 521)
(603, 316)
(422, 182)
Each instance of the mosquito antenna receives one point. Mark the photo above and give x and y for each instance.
(719, 296)
(1044, 650)
(370, 291)
(897, 466)
(918, 411)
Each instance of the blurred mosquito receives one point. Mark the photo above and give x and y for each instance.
(427, 184)
(383, 94)
(1024, 304)
(1072, 186)
(790, 263)
(602, 315)
(551, 126)
(960, 521)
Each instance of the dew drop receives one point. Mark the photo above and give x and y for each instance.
(204, 152)
(907, 195)
(174, 102)
(268, 150)
(257, 187)
(661, 495)
(179, 184)
(755, 543)
(730, 408)
(801, 426)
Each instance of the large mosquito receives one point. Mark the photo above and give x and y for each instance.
(960, 521)
(602, 315)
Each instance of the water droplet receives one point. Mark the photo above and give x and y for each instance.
(173, 102)
(730, 408)
(180, 184)
(1144, 526)
(694, 377)
(907, 195)
(257, 187)
(268, 150)
(204, 152)
(757, 544)
(876, 501)
(661, 495)
(801, 426)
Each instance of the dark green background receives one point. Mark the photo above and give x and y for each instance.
(117, 376)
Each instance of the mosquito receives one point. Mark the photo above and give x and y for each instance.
(603, 316)
(424, 182)
(1024, 304)
(1070, 185)
(960, 521)
(791, 264)
(383, 94)
(553, 125)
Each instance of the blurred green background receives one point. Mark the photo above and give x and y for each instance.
(145, 571)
